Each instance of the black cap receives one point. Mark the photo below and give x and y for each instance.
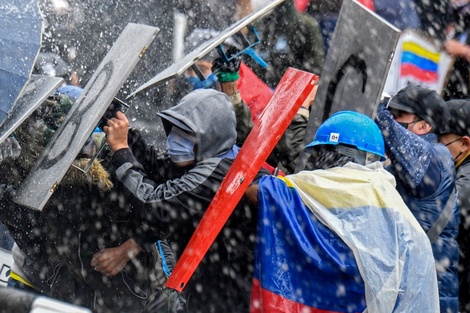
(425, 103)
(459, 123)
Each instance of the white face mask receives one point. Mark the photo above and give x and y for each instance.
(180, 145)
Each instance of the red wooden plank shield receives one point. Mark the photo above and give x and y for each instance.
(289, 95)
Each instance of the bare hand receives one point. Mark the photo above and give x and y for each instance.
(310, 98)
(111, 261)
(457, 49)
(116, 132)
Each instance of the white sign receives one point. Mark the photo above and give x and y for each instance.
(417, 61)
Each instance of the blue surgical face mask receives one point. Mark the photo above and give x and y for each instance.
(209, 82)
(180, 145)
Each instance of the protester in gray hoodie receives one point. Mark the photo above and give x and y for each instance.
(201, 135)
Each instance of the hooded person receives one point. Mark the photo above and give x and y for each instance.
(201, 135)
(456, 137)
(425, 176)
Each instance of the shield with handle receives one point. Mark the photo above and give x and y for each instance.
(20, 40)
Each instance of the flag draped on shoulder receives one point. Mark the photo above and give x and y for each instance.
(340, 240)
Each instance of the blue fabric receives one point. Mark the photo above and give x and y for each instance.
(422, 63)
(209, 82)
(180, 145)
(72, 91)
(301, 259)
(230, 154)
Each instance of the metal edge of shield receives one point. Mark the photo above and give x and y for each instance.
(36, 90)
(59, 154)
(41, 17)
(178, 68)
(347, 14)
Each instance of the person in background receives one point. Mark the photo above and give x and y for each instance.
(458, 46)
(425, 175)
(10, 149)
(34, 258)
(457, 139)
(288, 39)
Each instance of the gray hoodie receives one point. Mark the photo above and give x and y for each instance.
(172, 209)
(209, 115)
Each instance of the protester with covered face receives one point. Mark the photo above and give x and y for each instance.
(201, 136)
(457, 139)
(425, 176)
(338, 237)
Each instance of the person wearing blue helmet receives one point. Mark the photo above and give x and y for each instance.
(338, 237)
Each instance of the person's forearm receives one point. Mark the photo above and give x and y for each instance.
(404, 149)
(132, 248)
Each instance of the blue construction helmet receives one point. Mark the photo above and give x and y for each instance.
(352, 134)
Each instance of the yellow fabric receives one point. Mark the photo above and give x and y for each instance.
(422, 52)
(351, 186)
(20, 279)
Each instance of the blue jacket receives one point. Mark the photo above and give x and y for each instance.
(425, 175)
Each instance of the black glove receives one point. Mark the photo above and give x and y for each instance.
(227, 71)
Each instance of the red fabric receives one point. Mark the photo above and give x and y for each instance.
(254, 92)
(264, 301)
(301, 5)
(368, 4)
(408, 69)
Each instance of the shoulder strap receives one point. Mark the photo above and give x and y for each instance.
(443, 219)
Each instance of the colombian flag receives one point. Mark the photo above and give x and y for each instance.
(419, 63)
(340, 240)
